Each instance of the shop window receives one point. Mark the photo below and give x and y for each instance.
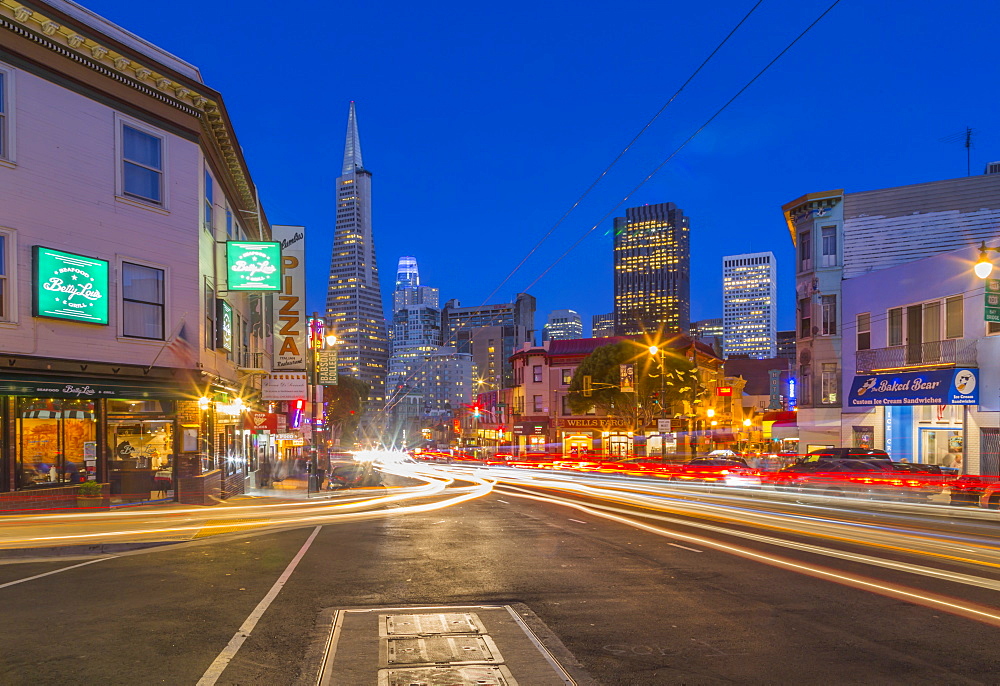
(142, 301)
(989, 452)
(864, 331)
(142, 164)
(56, 442)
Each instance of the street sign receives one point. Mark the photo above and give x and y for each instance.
(663, 425)
(991, 312)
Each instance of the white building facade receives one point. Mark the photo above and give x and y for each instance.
(750, 305)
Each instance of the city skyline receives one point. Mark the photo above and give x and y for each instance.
(578, 109)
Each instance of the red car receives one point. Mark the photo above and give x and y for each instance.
(731, 471)
(862, 478)
(975, 489)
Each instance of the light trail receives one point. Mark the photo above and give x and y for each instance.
(280, 516)
(980, 613)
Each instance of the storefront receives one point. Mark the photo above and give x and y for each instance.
(922, 414)
(63, 431)
(532, 437)
(608, 435)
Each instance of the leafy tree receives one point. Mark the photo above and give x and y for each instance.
(344, 406)
(657, 390)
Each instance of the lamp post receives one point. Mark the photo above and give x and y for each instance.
(318, 339)
(657, 354)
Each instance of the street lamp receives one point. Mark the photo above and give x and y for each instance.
(984, 267)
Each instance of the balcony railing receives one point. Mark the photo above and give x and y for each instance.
(959, 352)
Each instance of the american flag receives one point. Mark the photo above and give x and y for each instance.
(181, 347)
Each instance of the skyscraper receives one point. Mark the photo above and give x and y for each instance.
(602, 325)
(491, 334)
(562, 325)
(749, 305)
(354, 297)
(652, 270)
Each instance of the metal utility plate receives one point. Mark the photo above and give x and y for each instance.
(430, 650)
(466, 675)
(426, 624)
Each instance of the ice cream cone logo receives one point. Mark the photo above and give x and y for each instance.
(870, 383)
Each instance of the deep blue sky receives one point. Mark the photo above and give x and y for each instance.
(482, 124)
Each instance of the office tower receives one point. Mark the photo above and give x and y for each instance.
(562, 325)
(652, 270)
(786, 345)
(408, 289)
(602, 325)
(491, 334)
(710, 332)
(749, 305)
(354, 297)
(415, 335)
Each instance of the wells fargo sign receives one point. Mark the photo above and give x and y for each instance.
(595, 423)
(290, 313)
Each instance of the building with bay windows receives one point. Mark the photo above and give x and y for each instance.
(858, 243)
(130, 350)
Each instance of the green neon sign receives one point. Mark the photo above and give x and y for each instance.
(254, 265)
(69, 286)
(224, 325)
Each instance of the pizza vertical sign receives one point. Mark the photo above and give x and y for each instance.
(290, 307)
(69, 286)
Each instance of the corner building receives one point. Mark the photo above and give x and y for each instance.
(652, 280)
(126, 359)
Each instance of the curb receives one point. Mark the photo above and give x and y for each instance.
(80, 550)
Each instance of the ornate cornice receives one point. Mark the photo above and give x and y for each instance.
(77, 45)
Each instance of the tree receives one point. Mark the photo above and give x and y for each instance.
(344, 406)
(659, 392)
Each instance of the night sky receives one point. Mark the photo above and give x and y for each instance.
(483, 124)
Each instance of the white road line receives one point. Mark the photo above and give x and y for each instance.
(56, 571)
(229, 652)
(502, 501)
(577, 521)
(693, 550)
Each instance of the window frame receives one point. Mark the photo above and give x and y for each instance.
(8, 113)
(8, 287)
(829, 383)
(954, 321)
(208, 297)
(828, 315)
(120, 261)
(805, 251)
(567, 377)
(537, 403)
(120, 123)
(829, 259)
(536, 373)
(864, 319)
(805, 318)
(208, 201)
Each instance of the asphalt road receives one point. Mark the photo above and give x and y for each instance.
(632, 606)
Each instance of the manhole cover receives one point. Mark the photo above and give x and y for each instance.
(468, 675)
(437, 623)
(422, 650)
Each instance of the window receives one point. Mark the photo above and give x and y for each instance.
(536, 373)
(142, 165)
(567, 376)
(229, 223)
(565, 406)
(209, 204)
(829, 258)
(828, 383)
(142, 301)
(805, 318)
(805, 251)
(805, 385)
(4, 116)
(954, 313)
(209, 316)
(864, 331)
(895, 323)
(536, 403)
(829, 320)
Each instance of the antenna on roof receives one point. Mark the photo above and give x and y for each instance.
(965, 138)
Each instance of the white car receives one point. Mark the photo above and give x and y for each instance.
(723, 453)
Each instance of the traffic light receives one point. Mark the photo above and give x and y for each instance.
(588, 387)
